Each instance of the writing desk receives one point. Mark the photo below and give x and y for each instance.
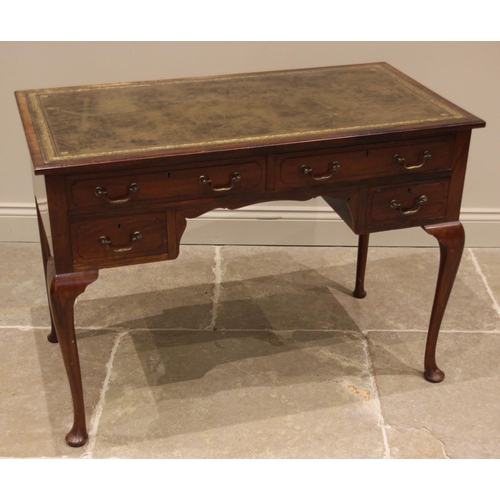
(119, 168)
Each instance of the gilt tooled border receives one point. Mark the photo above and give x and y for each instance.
(51, 152)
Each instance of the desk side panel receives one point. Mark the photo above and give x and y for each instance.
(460, 155)
(43, 214)
(59, 225)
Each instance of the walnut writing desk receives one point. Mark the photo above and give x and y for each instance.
(119, 168)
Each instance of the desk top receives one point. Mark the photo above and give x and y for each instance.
(80, 125)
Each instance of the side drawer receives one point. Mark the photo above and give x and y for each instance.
(380, 160)
(136, 187)
(404, 205)
(105, 241)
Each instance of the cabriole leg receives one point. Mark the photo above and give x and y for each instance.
(359, 291)
(63, 291)
(451, 238)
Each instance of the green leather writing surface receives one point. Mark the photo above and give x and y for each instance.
(230, 111)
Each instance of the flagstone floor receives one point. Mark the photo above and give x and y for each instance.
(256, 352)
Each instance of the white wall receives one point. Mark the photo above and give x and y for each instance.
(466, 73)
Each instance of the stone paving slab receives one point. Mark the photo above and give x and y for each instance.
(36, 411)
(176, 293)
(458, 418)
(239, 395)
(488, 261)
(22, 287)
(268, 287)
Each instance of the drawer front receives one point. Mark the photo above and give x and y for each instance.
(115, 239)
(406, 204)
(385, 160)
(130, 189)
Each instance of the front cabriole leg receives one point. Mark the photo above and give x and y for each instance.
(451, 238)
(63, 290)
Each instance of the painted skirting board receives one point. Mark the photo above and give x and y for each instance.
(275, 224)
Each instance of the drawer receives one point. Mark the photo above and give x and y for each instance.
(373, 161)
(117, 239)
(403, 205)
(130, 189)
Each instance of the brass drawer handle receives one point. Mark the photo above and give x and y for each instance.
(104, 240)
(205, 181)
(306, 170)
(133, 188)
(399, 159)
(418, 203)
